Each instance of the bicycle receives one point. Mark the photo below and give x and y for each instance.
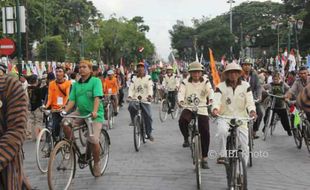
(270, 124)
(109, 111)
(46, 141)
(251, 142)
(164, 108)
(301, 130)
(195, 143)
(236, 166)
(62, 162)
(139, 133)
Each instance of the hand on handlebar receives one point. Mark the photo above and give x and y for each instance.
(181, 104)
(149, 98)
(63, 112)
(253, 114)
(215, 112)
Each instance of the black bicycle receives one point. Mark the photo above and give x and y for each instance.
(62, 162)
(195, 143)
(139, 133)
(301, 129)
(235, 165)
(165, 105)
(270, 124)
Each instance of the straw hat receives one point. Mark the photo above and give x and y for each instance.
(233, 67)
(195, 66)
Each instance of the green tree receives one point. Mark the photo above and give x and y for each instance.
(56, 49)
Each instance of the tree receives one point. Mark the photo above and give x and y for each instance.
(56, 49)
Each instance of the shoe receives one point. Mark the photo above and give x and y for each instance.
(172, 110)
(131, 124)
(204, 164)
(221, 160)
(96, 169)
(185, 144)
(151, 138)
(256, 137)
(115, 113)
(289, 133)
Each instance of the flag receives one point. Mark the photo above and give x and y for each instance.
(197, 57)
(214, 73)
(223, 61)
(121, 68)
(308, 61)
(201, 57)
(285, 53)
(295, 112)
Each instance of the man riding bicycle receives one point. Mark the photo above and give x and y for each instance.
(233, 97)
(86, 95)
(299, 83)
(111, 87)
(250, 76)
(142, 86)
(171, 84)
(196, 85)
(58, 95)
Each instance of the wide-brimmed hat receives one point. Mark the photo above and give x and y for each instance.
(247, 61)
(303, 99)
(195, 66)
(140, 64)
(169, 67)
(233, 67)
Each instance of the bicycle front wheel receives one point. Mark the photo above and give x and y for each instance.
(137, 133)
(297, 133)
(251, 146)
(163, 110)
(176, 111)
(104, 143)
(110, 116)
(197, 160)
(306, 134)
(267, 124)
(241, 180)
(44, 146)
(61, 166)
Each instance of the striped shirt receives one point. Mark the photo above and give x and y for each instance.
(13, 121)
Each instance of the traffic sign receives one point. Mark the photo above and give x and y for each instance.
(7, 46)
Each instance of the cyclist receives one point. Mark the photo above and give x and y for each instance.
(249, 75)
(195, 86)
(155, 78)
(142, 86)
(58, 95)
(279, 88)
(86, 95)
(171, 84)
(299, 83)
(303, 101)
(233, 97)
(111, 86)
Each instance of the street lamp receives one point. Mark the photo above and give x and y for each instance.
(275, 25)
(230, 22)
(295, 26)
(78, 28)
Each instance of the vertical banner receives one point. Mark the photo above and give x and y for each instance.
(214, 73)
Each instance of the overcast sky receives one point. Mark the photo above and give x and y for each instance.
(161, 15)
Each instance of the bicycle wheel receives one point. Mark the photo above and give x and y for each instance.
(197, 156)
(297, 134)
(176, 111)
(104, 142)
(110, 116)
(250, 146)
(83, 136)
(274, 123)
(61, 166)
(306, 134)
(163, 110)
(136, 133)
(267, 124)
(44, 146)
(241, 181)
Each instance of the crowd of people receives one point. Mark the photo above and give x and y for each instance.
(241, 92)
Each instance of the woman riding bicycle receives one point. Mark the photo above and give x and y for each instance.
(196, 85)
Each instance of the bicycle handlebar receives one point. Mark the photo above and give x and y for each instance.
(276, 96)
(236, 117)
(76, 116)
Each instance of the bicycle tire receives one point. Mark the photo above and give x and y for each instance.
(104, 142)
(273, 124)
(110, 116)
(307, 134)
(197, 161)
(267, 124)
(297, 134)
(250, 146)
(66, 151)
(136, 133)
(175, 113)
(42, 160)
(143, 130)
(83, 136)
(241, 176)
(163, 110)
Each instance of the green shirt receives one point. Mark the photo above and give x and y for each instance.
(155, 75)
(84, 93)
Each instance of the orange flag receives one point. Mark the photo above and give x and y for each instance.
(214, 73)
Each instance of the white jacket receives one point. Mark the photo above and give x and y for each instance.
(141, 87)
(200, 89)
(171, 83)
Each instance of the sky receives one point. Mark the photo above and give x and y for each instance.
(161, 15)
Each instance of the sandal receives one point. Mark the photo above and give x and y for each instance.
(221, 160)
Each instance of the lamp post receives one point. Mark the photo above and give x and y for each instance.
(275, 25)
(230, 22)
(295, 27)
(78, 28)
